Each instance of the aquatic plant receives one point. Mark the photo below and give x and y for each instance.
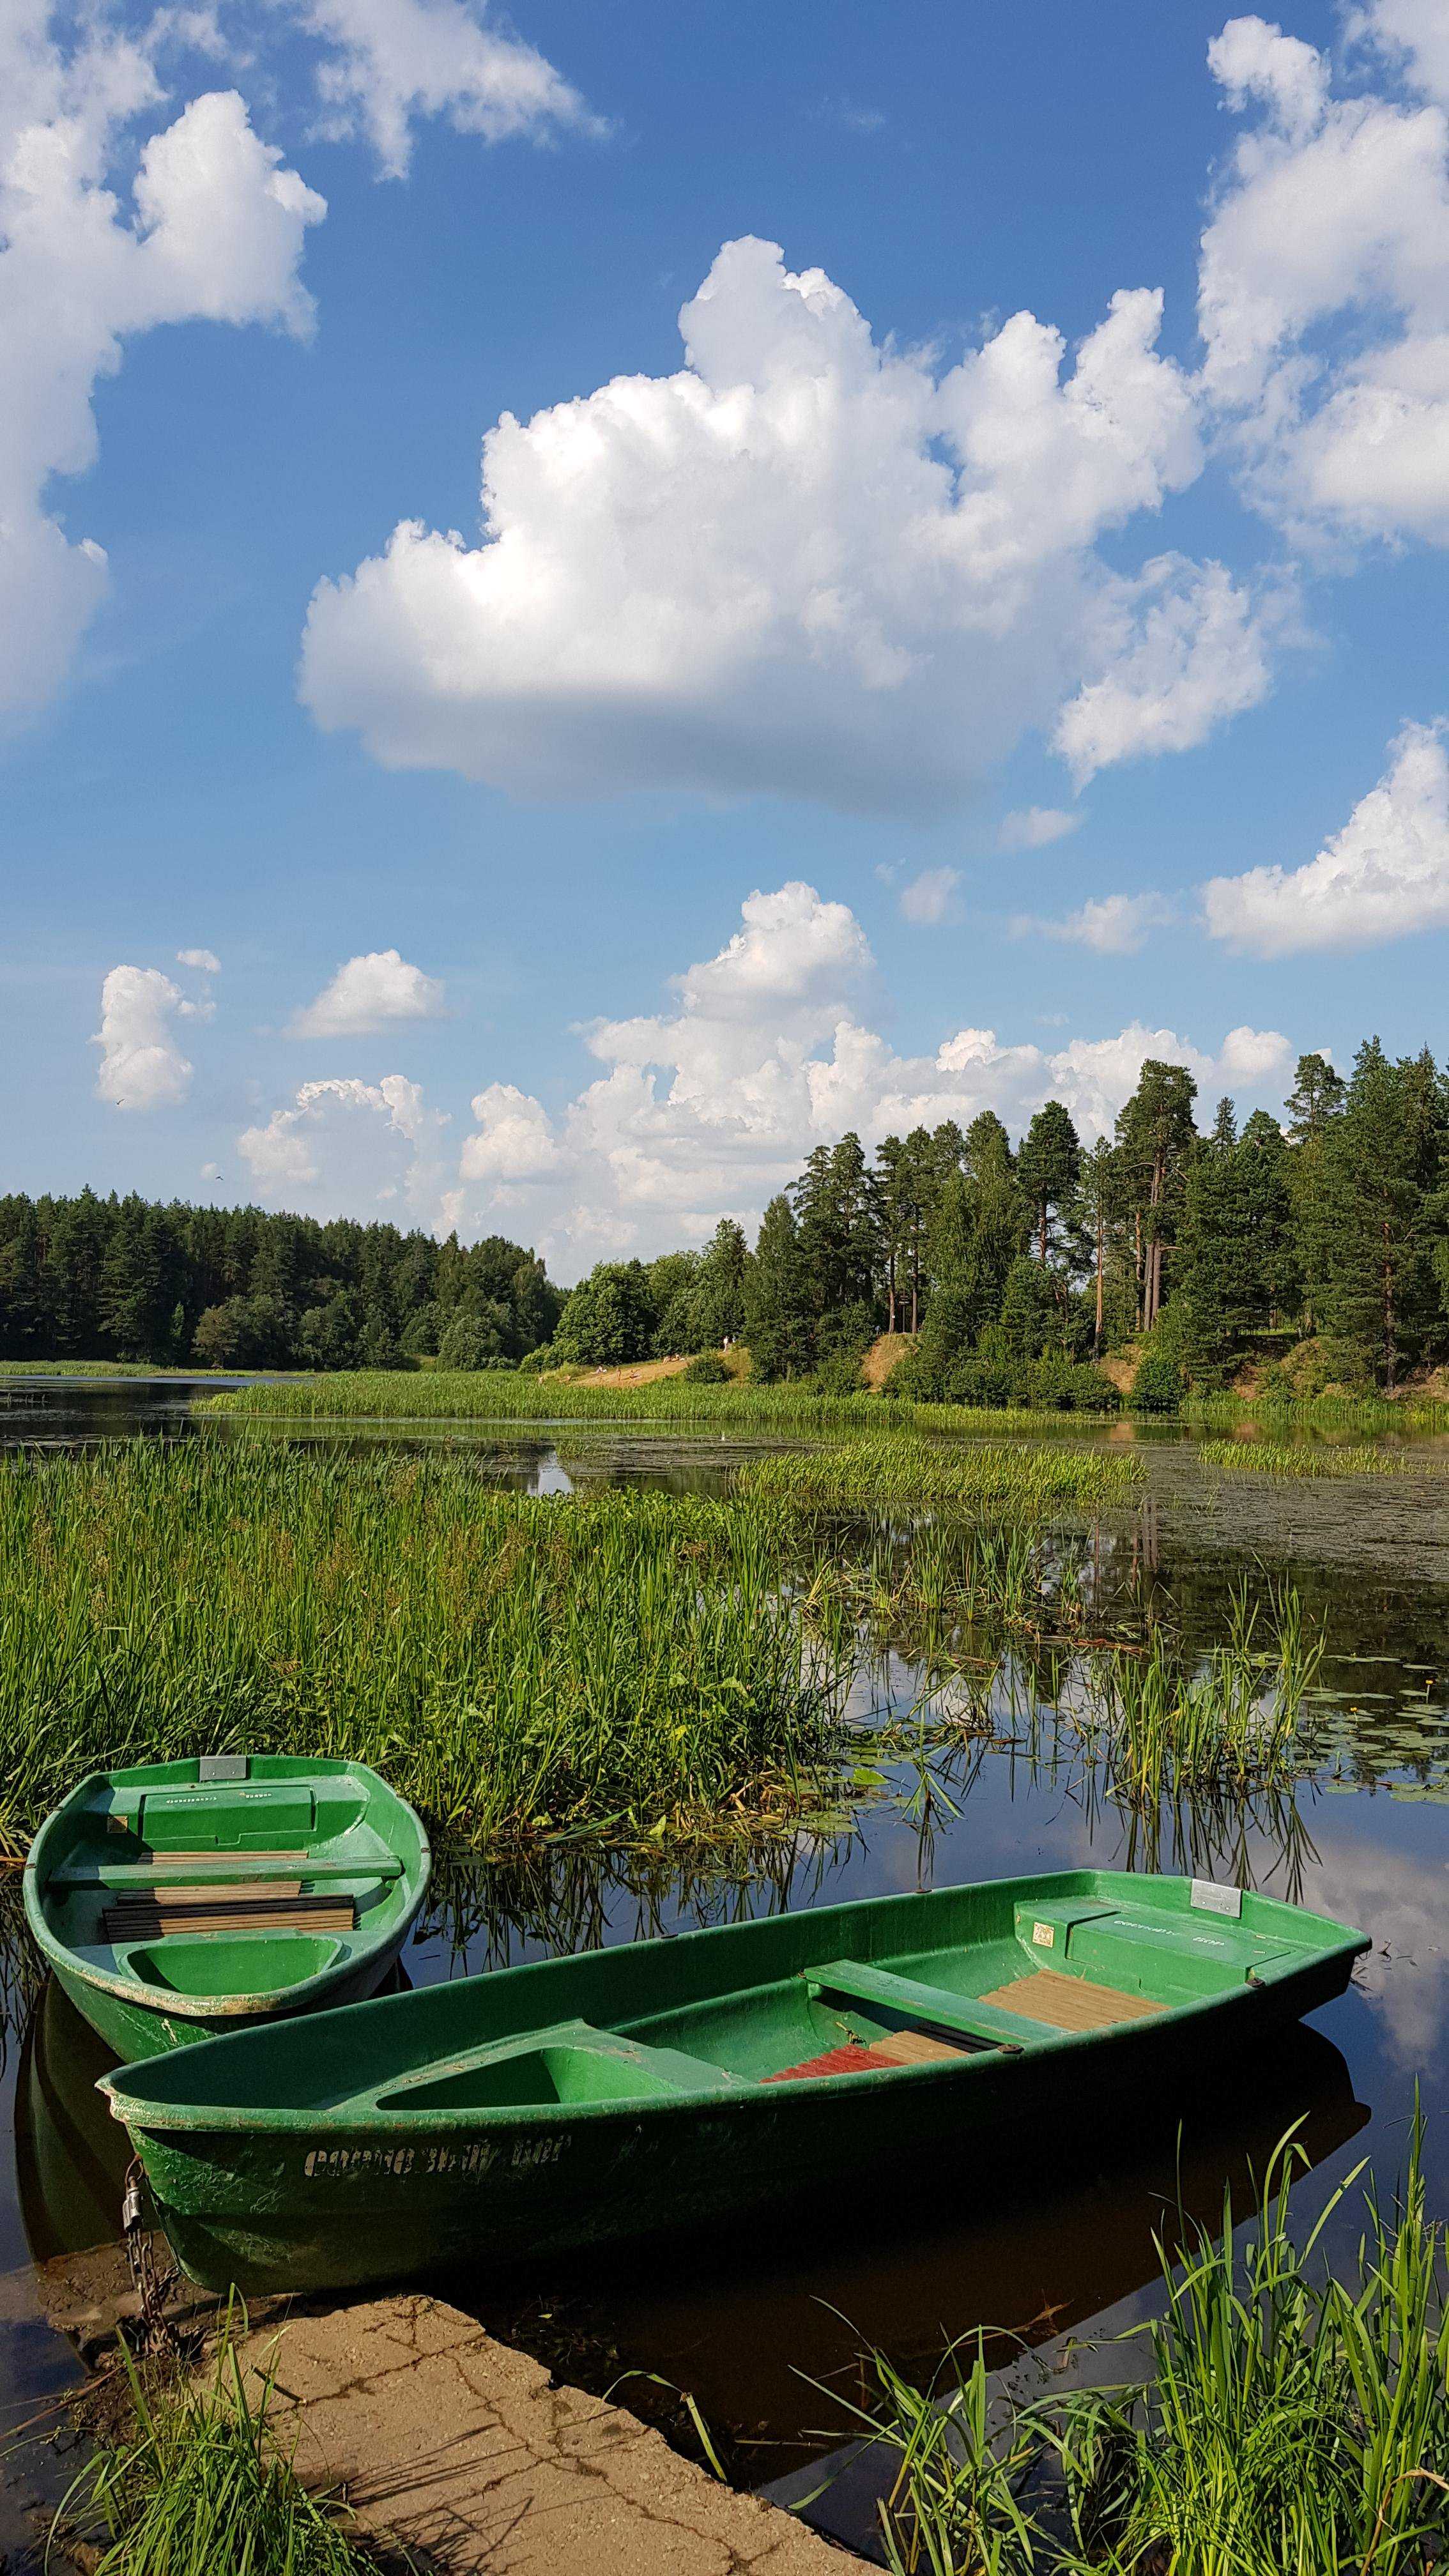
(910, 1474)
(200, 2483)
(1170, 1726)
(1285, 2420)
(627, 1662)
(1279, 1459)
(674, 1402)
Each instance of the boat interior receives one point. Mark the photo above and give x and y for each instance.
(228, 1884)
(1110, 1964)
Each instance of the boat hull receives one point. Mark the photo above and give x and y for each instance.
(268, 2199)
(135, 2028)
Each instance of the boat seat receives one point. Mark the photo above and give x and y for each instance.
(912, 2001)
(1196, 1953)
(566, 2061)
(217, 1869)
(279, 1907)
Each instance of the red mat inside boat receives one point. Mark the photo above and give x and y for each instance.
(852, 2059)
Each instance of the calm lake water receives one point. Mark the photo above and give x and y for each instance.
(1045, 2245)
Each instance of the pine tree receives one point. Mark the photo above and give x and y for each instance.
(1156, 1139)
(719, 1289)
(1385, 1155)
(1314, 1106)
(778, 1310)
(1047, 1169)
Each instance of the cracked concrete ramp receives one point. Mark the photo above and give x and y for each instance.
(462, 2453)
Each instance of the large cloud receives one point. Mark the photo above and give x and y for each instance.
(142, 1065)
(214, 231)
(1324, 286)
(805, 562)
(1384, 876)
(347, 1146)
(390, 61)
(711, 1107)
(367, 993)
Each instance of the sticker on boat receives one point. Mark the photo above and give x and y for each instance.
(1044, 1935)
(1209, 1898)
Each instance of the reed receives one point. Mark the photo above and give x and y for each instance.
(1282, 1460)
(200, 2484)
(909, 1474)
(1170, 1729)
(1286, 2423)
(501, 1395)
(1322, 1412)
(634, 1663)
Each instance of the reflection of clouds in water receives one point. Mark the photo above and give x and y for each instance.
(1400, 1900)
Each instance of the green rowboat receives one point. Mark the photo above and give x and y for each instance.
(575, 2101)
(179, 1900)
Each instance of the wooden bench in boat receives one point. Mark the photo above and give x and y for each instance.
(278, 1907)
(966, 2016)
(213, 1891)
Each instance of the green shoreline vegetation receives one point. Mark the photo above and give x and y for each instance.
(1278, 2420)
(196, 2483)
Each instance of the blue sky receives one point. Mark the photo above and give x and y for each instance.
(678, 820)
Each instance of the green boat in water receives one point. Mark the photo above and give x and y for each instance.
(179, 1900)
(576, 2101)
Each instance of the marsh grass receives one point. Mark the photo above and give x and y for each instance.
(630, 1663)
(200, 2485)
(506, 1396)
(906, 1474)
(1282, 1460)
(1321, 1412)
(1281, 2422)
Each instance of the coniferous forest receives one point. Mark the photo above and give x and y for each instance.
(1315, 1251)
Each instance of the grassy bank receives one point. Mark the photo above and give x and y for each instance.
(630, 1662)
(1278, 2420)
(1321, 1412)
(501, 1395)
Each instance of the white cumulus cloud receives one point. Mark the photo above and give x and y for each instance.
(203, 959)
(388, 62)
(1385, 875)
(101, 242)
(1324, 278)
(1115, 925)
(1192, 646)
(806, 562)
(368, 993)
(367, 1148)
(1035, 827)
(142, 1066)
(711, 1107)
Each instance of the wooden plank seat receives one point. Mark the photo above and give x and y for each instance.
(278, 1907)
(983, 2025)
(1071, 2003)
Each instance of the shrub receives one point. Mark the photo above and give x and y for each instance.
(1158, 1385)
(706, 1369)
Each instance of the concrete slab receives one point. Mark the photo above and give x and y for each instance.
(460, 2451)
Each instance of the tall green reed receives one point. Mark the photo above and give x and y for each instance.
(200, 2485)
(1283, 2422)
(627, 1661)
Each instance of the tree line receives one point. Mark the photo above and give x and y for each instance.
(1316, 1248)
(119, 1278)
